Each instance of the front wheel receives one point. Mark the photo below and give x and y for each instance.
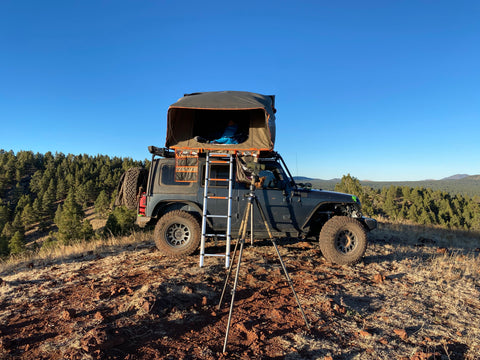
(177, 234)
(343, 240)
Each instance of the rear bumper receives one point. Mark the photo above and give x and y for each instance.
(142, 221)
(369, 223)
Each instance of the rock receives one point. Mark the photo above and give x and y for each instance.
(68, 314)
(401, 333)
(426, 241)
(5, 345)
(442, 250)
(147, 304)
(101, 339)
(378, 278)
(98, 316)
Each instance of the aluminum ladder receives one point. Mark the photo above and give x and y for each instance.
(217, 158)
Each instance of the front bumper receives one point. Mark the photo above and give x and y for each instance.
(369, 223)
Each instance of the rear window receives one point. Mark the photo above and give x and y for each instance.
(168, 177)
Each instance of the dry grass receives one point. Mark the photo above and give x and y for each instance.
(65, 253)
(415, 296)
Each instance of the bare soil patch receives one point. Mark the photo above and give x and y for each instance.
(415, 296)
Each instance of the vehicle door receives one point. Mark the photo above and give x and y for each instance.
(275, 196)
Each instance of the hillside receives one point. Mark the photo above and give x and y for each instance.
(416, 296)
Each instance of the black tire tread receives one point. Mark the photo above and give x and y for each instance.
(172, 217)
(329, 233)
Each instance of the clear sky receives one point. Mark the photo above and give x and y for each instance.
(383, 90)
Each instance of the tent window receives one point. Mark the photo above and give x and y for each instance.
(210, 124)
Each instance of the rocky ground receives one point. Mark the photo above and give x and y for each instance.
(415, 296)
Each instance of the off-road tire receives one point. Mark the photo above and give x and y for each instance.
(343, 240)
(134, 179)
(177, 234)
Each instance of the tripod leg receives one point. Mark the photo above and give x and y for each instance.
(241, 234)
(264, 218)
(290, 283)
(251, 226)
(281, 262)
(242, 243)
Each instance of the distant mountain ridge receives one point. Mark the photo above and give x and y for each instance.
(464, 184)
(456, 177)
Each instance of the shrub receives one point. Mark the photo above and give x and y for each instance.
(120, 222)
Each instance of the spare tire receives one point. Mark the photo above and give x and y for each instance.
(129, 187)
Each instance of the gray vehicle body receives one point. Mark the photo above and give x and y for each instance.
(292, 210)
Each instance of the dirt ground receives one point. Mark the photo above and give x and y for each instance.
(415, 299)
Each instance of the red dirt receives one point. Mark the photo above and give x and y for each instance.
(132, 303)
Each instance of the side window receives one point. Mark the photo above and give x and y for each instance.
(217, 172)
(168, 177)
(272, 177)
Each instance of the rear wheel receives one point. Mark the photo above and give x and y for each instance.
(343, 240)
(177, 234)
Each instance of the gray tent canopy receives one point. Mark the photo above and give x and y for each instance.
(206, 114)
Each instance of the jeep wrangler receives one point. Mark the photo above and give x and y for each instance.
(293, 210)
(170, 195)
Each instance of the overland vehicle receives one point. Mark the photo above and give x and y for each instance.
(173, 193)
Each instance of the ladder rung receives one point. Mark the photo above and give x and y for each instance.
(226, 159)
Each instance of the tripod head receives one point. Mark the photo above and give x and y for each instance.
(254, 168)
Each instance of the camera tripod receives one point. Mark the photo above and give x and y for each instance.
(252, 199)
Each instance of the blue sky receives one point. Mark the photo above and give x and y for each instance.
(383, 90)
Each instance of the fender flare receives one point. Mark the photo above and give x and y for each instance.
(328, 209)
(163, 207)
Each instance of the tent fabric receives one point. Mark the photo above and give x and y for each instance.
(206, 113)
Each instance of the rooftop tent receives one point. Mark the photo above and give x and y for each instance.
(207, 114)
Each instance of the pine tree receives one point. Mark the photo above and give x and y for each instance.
(8, 231)
(48, 199)
(102, 204)
(17, 223)
(87, 230)
(4, 216)
(4, 250)
(16, 243)
(37, 208)
(28, 216)
(61, 189)
(351, 185)
(69, 220)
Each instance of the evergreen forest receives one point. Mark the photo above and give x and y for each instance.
(417, 205)
(47, 194)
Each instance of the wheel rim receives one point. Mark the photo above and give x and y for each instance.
(177, 234)
(346, 242)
